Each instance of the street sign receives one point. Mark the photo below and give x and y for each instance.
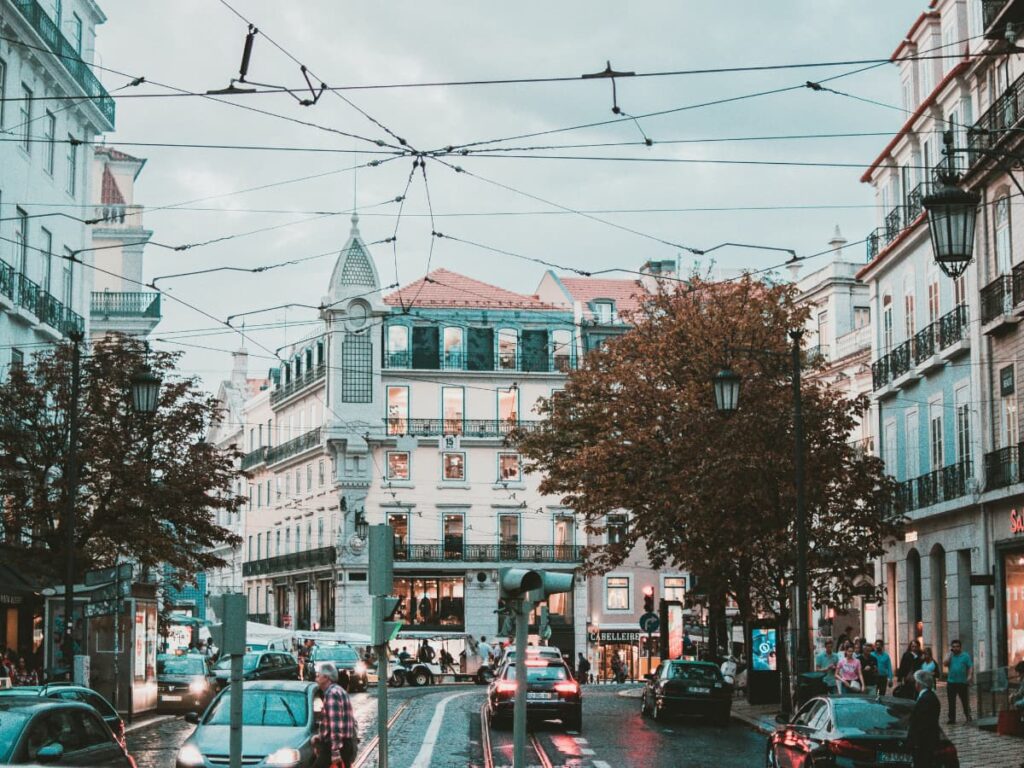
(103, 575)
(104, 608)
(109, 591)
(649, 622)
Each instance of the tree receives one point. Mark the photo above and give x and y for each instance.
(148, 484)
(636, 429)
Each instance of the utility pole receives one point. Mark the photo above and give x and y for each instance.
(71, 497)
(381, 553)
(802, 648)
(522, 612)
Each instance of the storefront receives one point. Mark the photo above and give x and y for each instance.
(1010, 585)
(21, 613)
(431, 602)
(621, 644)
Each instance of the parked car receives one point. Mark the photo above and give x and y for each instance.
(687, 687)
(68, 692)
(279, 720)
(36, 730)
(551, 694)
(183, 683)
(258, 665)
(344, 657)
(532, 651)
(857, 731)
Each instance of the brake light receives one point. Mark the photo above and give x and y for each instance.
(847, 748)
(947, 754)
(567, 687)
(536, 662)
(506, 686)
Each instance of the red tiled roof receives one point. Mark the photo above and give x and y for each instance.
(115, 154)
(110, 194)
(442, 288)
(623, 292)
(913, 29)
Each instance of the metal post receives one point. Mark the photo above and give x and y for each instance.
(72, 501)
(235, 732)
(522, 611)
(117, 632)
(650, 642)
(802, 649)
(382, 686)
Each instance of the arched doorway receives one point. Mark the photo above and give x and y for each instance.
(915, 614)
(939, 598)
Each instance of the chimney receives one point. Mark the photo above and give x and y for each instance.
(239, 368)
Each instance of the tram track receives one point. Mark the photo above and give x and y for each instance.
(371, 746)
(487, 743)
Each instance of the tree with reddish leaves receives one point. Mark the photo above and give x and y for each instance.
(149, 486)
(636, 429)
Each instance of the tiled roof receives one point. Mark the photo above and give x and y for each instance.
(442, 288)
(115, 154)
(586, 289)
(110, 194)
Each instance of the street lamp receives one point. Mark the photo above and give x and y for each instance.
(727, 390)
(952, 215)
(145, 390)
(362, 527)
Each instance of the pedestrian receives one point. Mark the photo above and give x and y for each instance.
(960, 672)
(849, 673)
(403, 656)
(883, 667)
(910, 662)
(827, 659)
(923, 731)
(485, 651)
(336, 741)
(582, 668)
(616, 667)
(928, 662)
(427, 652)
(23, 675)
(862, 652)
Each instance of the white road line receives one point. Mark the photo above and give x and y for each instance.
(601, 764)
(426, 753)
(587, 752)
(579, 739)
(148, 722)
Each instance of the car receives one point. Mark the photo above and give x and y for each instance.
(258, 665)
(551, 693)
(280, 719)
(532, 651)
(344, 657)
(37, 730)
(681, 687)
(183, 683)
(861, 731)
(68, 692)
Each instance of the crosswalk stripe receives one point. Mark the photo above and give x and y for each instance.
(601, 764)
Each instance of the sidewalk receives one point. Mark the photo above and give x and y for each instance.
(977, 748)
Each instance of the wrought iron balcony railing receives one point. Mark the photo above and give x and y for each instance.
(990, 11)
(515, 361)
(996, 298)
(997, 122)
(900, 359)
(953, 326)
(67, 55)
(488, 553)
(463, 427)
(295, 561)
(7, 275)
(934, 487)
(29, 296)
(924, 343)
(122, 304)
(898, 220)
(255, 458)
(1002, 467)
(293, 447)
(298, 383)
(880, 373)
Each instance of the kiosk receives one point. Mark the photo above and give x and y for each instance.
(763, 674)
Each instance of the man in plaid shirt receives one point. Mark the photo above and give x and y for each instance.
(336, 742)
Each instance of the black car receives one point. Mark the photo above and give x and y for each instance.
(279, 720)
(687, 688)
(344, 657)
(551, 694)
(258, 665)
(183, 683)
(68, 692)
(35, 730)
(850, 731)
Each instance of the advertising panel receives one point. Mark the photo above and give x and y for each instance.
(763, 649)
(674, 630)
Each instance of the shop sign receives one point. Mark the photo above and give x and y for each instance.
(8, 599)
(1006, 382)
(618, 636)
(1016, 521)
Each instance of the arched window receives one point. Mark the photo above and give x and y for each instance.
(915, 614)
(937, 579)
(887, 322)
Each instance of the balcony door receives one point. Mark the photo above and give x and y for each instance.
(454, 536)
(565, 528)
(399, 523)
(508, 536)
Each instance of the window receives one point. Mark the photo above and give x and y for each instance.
(309, 477)
(277, 543)
(398, 410)
(270, 433)
(250, 498)
(452, 402)
(259, 496)
(911, 428)
(561, 350)
(320, 475)
(298, 538)
(250, 547)
(287, 485)
(453, 466)
(933, 298)
(508, 535)
(298, 481)
(454, 525)
(259, 546)
(673, 588)
(909, 319)
(3, 90)
(50, 134)
(76, 33)
(1008, 430)
(565, 528)
(277, 487)
(72, 165)
(616, 529)
(398, 346)
(616, 590)
(960, 291)
(21, 240)
(398, 465)
(267, 495)
(433, 602)
(604, 311)
(887, 322)
(453, 354)
(320, 532)
(963, 425)
(287, 541)
(1002, 235)
(509, 469)
(508, 349)
(399, 522)
(25, 110)
(508, 405)
(824, 329)
(17, 359)
(935, 431)
(68, 282)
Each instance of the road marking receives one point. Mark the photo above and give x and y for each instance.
(150, 721)
(601, 764)
(579, 739)
(426, 752)
(371, 745)
(587, 752)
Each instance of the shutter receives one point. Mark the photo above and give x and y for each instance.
(425, 348)
(480, 349)
(535, 351)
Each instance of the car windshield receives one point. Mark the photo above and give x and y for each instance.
(539, 674)
(249, 661)
(877, 718)
(11, 724)
(336, 653)
(180, 665)
(285, 709)
(697, 673)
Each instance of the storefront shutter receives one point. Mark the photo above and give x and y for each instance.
(425, 348)
(535, 351)
(480, 349)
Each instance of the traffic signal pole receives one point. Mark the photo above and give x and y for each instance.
(382, 687)
(522, 611)
(381, 552)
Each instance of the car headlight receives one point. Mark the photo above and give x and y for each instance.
(199, 685)
(284, 756)
(360, 668)
(190, 755)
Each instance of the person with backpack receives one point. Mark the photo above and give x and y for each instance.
(582, 669)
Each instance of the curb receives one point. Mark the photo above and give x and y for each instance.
(754, 722)
(155, 720)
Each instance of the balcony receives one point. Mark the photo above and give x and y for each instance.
(68, 56)
(295, 561)
(1002, 468)
(17, 292)
(997, 305)
(853, 342)
(254, 458)
(299, 383)
(464, 428)
(293, 447)
(934, 487)
(998, 120)
(898, 220)
(109, 304)
(953, 331)
(900, 360)
(516, 361)
(924, 344)
(996, 14)
(488, 553)
(113, 216)
(881, 375)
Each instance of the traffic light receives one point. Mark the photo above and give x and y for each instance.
(544, 623)
(516, 582)
(550, 584)
(648, 599)
(383, 630)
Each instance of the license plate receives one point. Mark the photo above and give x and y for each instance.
(700, 690)
(171, 698)
(537, 696)
(895, 757)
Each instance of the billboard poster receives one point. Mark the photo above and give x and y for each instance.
(763, 649)
(58, 650)
(674, 630)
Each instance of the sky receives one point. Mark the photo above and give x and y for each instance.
(527, 201)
